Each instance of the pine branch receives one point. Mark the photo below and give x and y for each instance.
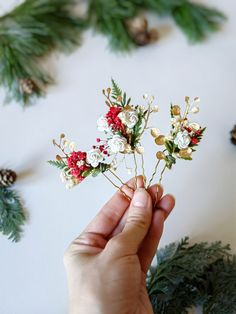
(28, 34)
(195, 20)
(110, 18)
(12, 216)
(190, 275)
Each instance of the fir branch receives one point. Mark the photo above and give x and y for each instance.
(60, 164)
(116, 91)
(28, 34)
(190, 275)
(12, 216)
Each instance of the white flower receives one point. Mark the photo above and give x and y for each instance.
(117, 144)
(194, 126)
(63, 177)
(182, 139)
(102, 124)
(70, 184)
(94, 157)
(68, 180)
(80, 163)
(128, 118)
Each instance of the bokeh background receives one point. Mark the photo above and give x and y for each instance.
(32, 274)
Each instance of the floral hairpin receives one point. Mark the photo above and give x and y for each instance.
(123, 126)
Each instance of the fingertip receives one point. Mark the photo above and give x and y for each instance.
(166, 204)
(156, 192)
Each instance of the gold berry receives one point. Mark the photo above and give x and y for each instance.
(160, 140)
(185, 152)
(175, 110)
(160, 155)
(155, 132)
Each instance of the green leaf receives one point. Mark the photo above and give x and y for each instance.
(169, 146)
(88, 172)
(96, 172)
(170, 160)
(116, 91)
(60, 164)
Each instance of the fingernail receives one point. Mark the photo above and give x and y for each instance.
(140, 198)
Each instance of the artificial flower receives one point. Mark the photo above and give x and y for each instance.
(117, 144)
(182, 139)
(94, 157)
(128, 118)
(102, 124)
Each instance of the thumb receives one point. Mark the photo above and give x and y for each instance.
(136, 227)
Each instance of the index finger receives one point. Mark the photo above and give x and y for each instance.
(111, 213)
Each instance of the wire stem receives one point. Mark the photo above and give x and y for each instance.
(163, 170)
(116, 186)
(143, 171)
(135, 170)
(154, 173)
(120, 180)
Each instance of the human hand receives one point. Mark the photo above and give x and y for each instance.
(107, 264)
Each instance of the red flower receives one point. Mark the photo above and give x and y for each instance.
(194, 141)
(188, 130)
(113, 119)
(73, 164)
(199, 132)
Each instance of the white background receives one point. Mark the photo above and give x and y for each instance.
(32, 274)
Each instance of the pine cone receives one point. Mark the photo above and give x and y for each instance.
(7, 177)
(139, 31)
(233, 135)
(27, 86)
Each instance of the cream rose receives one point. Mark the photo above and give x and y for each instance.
(182, 139)
(117, 144)
(103, 125)
(128, 118)
(94, 157)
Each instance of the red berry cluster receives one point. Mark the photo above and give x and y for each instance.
(77, 170)
(101, 147)
(195, 135)
(113, 120)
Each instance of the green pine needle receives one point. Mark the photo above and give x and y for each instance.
(12, 217)
(28, 34)
(37, 27)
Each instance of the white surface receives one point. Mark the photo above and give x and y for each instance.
(32, 274)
